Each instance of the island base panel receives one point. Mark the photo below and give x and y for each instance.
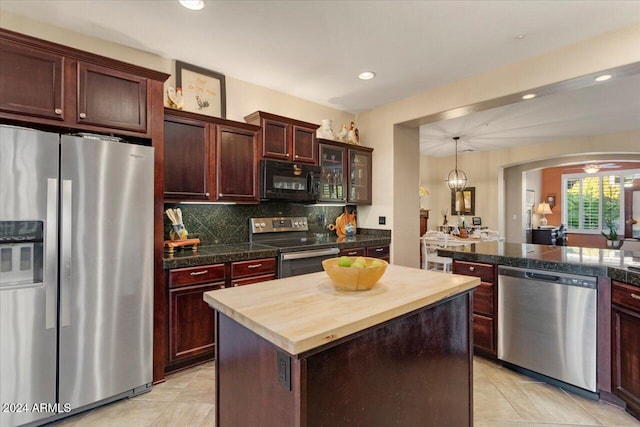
(248, 392)
(412, 370)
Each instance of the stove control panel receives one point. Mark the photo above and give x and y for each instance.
(278, 224)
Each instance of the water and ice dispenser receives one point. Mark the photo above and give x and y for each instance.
(21, 253)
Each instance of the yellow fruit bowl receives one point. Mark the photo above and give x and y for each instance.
(361, 275)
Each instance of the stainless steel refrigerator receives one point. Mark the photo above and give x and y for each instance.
(76, 272)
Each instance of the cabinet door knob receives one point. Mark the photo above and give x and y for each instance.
(296, 156)
(472, 269)
(634, 296)
(83, 116)
(206, 194)
(58, 111)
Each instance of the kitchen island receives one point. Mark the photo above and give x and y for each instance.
(299, 352)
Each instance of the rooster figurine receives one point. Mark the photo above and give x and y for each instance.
(174, 98)
(353, 136)
(342, 135)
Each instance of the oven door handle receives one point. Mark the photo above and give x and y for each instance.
(310, 254)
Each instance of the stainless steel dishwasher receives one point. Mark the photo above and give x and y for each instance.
(547, 324)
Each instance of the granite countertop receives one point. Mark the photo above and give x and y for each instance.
(214, 254)
(568, 259)
(301, 313)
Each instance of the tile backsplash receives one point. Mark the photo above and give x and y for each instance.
(218, 224)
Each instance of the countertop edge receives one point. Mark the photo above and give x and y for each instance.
(621, 274)
(195, 259)
(316, 340)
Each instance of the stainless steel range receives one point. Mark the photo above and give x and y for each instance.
(297, 252)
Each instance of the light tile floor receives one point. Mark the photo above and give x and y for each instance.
(502, 398)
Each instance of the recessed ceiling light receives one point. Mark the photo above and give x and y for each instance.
(192, 4)
(520, 36)
(603, 78)
(529, 96)
(366, 75)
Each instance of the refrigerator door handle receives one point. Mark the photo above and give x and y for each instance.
(51, 275)
(65, 255)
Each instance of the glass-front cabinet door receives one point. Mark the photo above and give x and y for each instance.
(359, 177)
(332, 183)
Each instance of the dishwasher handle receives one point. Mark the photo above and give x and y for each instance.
(558, 278)
(543, 277)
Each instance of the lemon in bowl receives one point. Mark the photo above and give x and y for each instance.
(354, 273)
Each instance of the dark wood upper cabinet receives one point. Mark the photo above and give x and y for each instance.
(346, 172)
(207, 158)
(359, 175)
(305, 148)
(31, 81)
(236, 165)
(49, 84)
(286, 139)
(187, 148)
(275, 140)
(111, 98)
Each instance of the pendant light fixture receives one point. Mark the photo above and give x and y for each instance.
(457, 179)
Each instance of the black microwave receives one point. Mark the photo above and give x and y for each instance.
(289, 181)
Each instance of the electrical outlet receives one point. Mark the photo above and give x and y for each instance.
(284, 370)
(382, 220)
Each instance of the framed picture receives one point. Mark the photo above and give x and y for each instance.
(463, 202)
(203, 91)
(551, 199)
(476, 220)
(531, 198)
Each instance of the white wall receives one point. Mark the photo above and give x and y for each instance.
(531, 180)
(606, 51)
(483, 169)
(243, 98)
(377, 126)
(406, 160)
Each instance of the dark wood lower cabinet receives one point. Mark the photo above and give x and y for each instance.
(353, 252)
(414, 370)
(483, 337)
(626, 345)
(381, 252)
(485, 303)
(191, 323)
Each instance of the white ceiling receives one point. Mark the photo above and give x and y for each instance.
(315, 49)
(609, 107)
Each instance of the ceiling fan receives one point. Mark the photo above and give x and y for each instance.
(594, 167)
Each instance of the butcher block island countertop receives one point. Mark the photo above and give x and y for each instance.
(298, 352)
(301, 313)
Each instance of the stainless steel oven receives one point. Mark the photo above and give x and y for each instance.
(298, 253)
(304, 261)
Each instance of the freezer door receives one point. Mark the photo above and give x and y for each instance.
(106, 276)
(28, 272)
